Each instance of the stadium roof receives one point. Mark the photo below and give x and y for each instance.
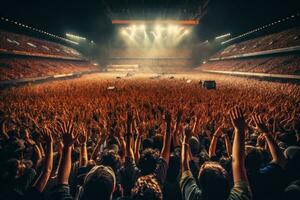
(156, 9)
(92, 18)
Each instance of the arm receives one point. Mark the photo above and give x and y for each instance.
(96, 150)
(213, 143)
(120, 136)
(227, 144)
(137, 142)
(4, 132)
(185, 148)
(38, 155)
(276, 153)
(238, 151)
(41, 149)
(187, 183)
(129, 151)
(60, 148)
(69, 138)
(165, 152)
(83, 150)
(42, 180)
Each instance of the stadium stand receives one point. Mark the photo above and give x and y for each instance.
(274, 65)
(284, 39)
(27, 57)
(11, 43)
(289, 63)
(18, 68)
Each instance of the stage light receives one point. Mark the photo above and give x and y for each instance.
(123, 31)
(223, 36)
(186, 32)
(142, 27)
(172, 29)
(76, 37)
(133, 27)
(157, 27)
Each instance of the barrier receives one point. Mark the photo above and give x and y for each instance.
(122, 68)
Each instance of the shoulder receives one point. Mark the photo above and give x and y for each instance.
(240, 191)
(61, 192)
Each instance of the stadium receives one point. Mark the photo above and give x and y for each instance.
(150, 100)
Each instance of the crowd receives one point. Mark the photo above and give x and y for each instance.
(288, 64)
(20, 68)
(150, 140)
(283, 39)
(12, 42)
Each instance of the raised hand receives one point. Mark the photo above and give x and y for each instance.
(238, 150)
(103, 135)
(83, 136)
(46, 134)
(260, 142)
(68, 134)
(187, 133)
(237, 119)
(259, 124)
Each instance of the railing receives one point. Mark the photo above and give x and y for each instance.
(260, 53)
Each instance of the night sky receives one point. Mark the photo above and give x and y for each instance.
(88, 18)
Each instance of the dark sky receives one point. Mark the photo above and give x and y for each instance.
(87, 18)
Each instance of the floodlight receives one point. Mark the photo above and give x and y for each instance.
(142, 27)
(157, 27)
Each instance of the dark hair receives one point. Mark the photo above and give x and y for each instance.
(253, 159)
(147, 143)
(148, 160)
(290, 139)
(10, 169)
(145, 188)
(157, 142)
(214, 181)
(111, 159)
(99, 184)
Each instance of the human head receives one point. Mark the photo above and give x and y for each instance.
(194, 145)
(214, 181)
(293, 161)
(253, 159)
(290, 138)
(145, 188)
(111, 159)
(98, 184)
(157, 142)
(148, 161)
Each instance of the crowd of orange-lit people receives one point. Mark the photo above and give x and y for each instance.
(150, 139)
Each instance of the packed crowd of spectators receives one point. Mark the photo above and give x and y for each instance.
(148, 139)
(284, 39)
(19, 68)
(16, 43)
(272, 65)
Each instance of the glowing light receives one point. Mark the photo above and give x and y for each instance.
(76, 37)
(133, 27)
(157, 27)
(142, 27)
(172, 28)
(123, 31)
(186, 32)
(223, 36)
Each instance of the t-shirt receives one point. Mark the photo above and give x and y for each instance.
(268, 182)
(61, 192)
(130, 173)
(191, 191)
